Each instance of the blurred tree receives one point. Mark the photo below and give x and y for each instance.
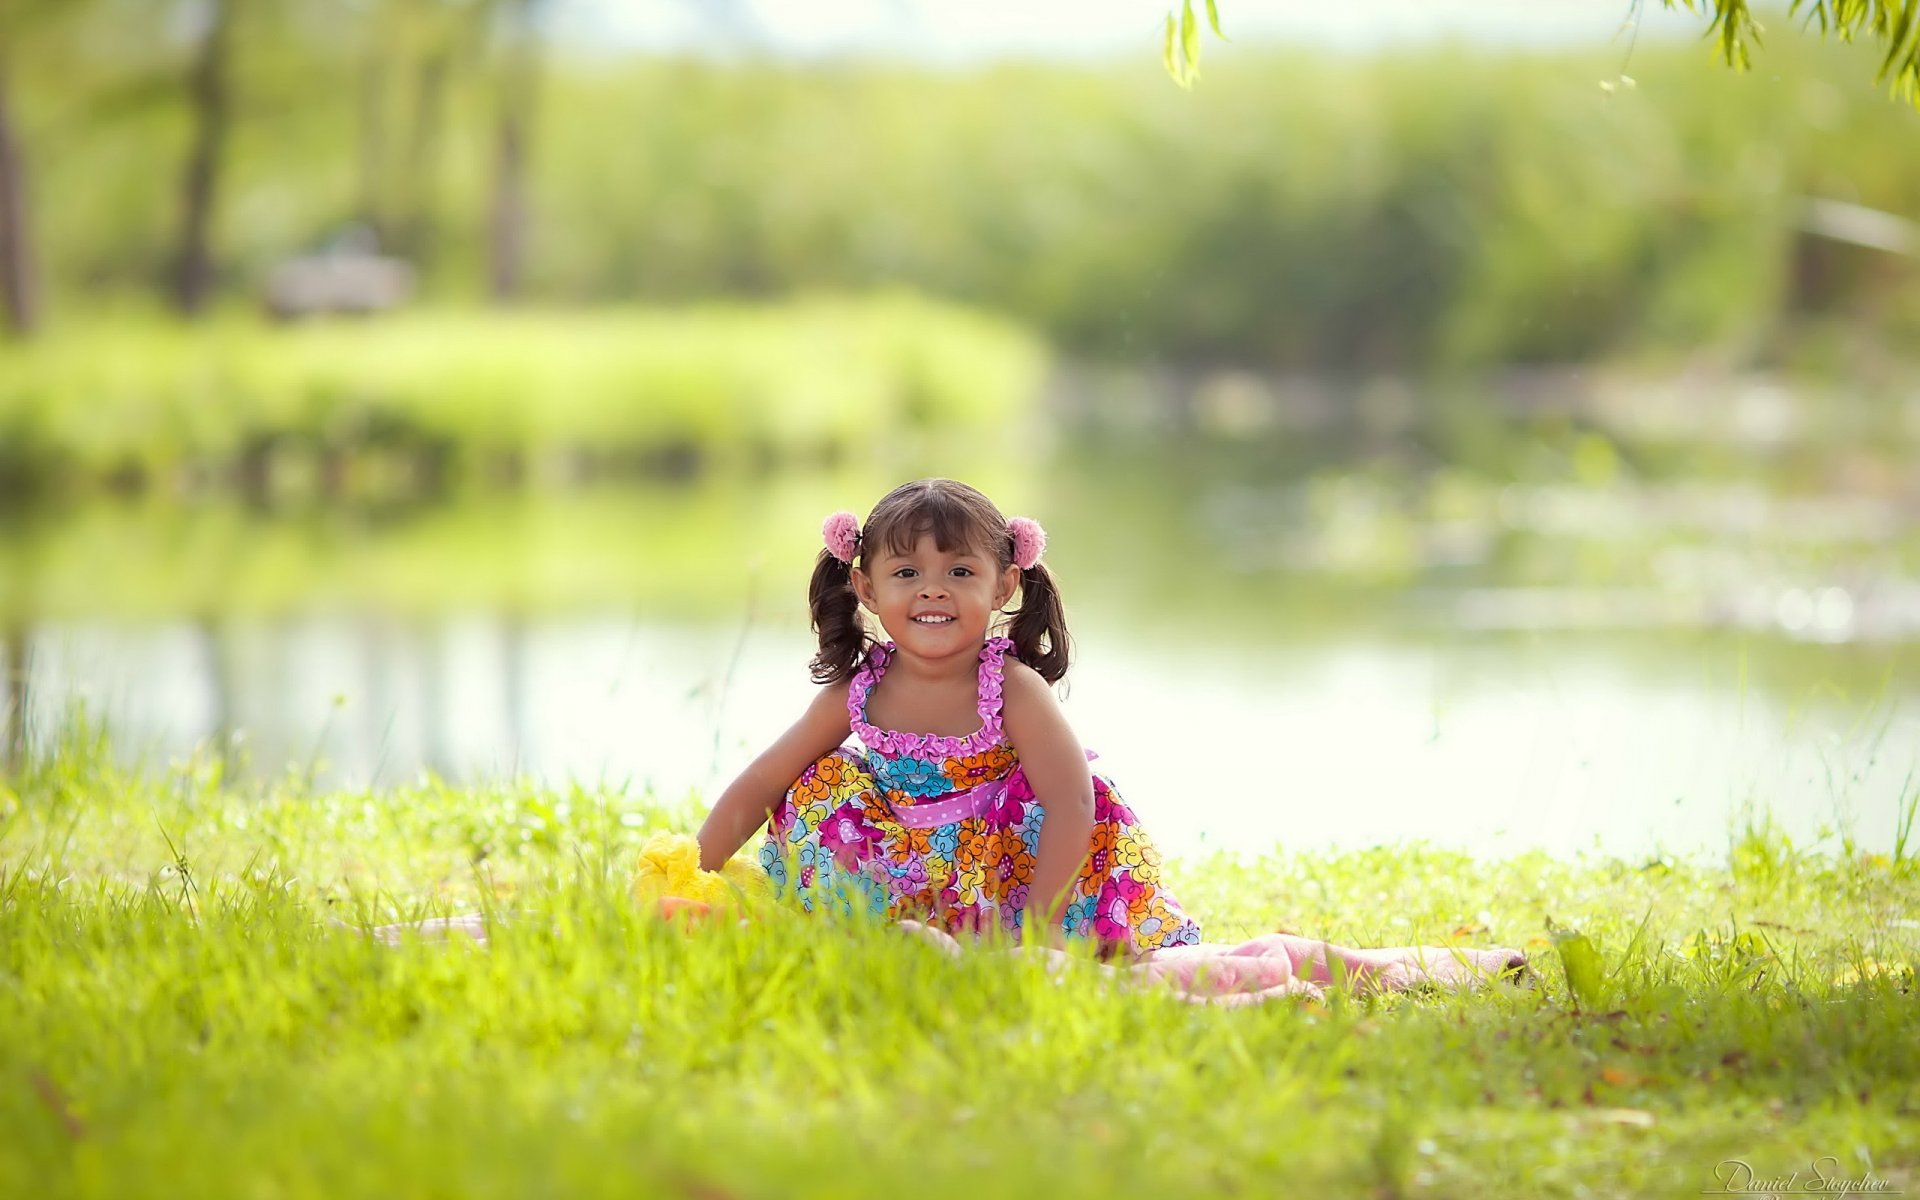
(19, 274)
(19, 286)
(209, 97)
(413, 50)
(519, 77)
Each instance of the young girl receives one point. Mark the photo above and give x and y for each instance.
(969, 804)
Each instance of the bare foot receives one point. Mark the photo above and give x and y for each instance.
(1465, 968)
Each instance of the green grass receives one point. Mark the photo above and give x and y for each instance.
(428, 400)
(181, 1020)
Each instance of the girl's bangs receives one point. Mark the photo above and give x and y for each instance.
(953, 526)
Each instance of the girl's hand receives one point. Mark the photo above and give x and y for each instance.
(749, 801)
(1056, 767)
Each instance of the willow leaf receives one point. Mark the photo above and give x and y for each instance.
(1213, 19)
(1190, 39)
(1897, 51)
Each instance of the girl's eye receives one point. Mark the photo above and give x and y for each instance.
(962, 571)
(903, 572)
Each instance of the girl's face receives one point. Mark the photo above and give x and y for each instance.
(935, 603)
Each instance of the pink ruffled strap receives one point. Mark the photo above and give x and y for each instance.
(863, 681)
(898, 743)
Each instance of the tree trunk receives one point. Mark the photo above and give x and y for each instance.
(19, 286)
(373, 144)
(415, 232)
(508, 232)
(211, 103)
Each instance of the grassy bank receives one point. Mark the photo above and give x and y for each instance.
(430, 401)
(181, 1020)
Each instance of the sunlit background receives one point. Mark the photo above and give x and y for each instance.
(1491, 423)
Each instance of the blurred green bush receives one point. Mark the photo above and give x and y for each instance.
(1435, 207)
(439, 399)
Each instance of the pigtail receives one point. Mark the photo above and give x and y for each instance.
(1041, 618)
(836, 618)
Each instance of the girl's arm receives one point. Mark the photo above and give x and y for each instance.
(1056, 766)
(750, 799)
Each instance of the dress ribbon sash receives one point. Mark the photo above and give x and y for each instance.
(968, 802)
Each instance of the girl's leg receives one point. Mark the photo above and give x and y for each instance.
(1393, 968)
(1221, 975)
(1204, 977)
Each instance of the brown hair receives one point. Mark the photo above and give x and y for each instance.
(958, 517)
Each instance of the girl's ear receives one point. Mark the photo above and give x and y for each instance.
(862, 587)
(1009, 580)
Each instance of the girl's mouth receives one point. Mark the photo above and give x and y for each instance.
(932, 620)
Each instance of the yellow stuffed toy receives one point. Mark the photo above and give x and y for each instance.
(669, 879)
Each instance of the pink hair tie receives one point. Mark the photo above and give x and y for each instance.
(1029, 541)
(842, 531)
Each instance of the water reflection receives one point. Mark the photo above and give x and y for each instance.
(1222, 741)
(1282, 642)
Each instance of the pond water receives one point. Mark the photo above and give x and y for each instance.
(1316, 665)
(1221, 742)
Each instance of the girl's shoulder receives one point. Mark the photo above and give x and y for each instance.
(1012, 668)
(829, 703)
(1035, 724)
(1021, 686)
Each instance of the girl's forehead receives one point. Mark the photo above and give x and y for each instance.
(927, 546)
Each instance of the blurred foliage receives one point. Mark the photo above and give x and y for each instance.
(423, 402)
(1438, 207)
(1893, 23)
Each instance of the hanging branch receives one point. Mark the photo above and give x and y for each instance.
(1894, 23)
(1182, 51)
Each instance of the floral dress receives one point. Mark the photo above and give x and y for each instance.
(947, 830)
